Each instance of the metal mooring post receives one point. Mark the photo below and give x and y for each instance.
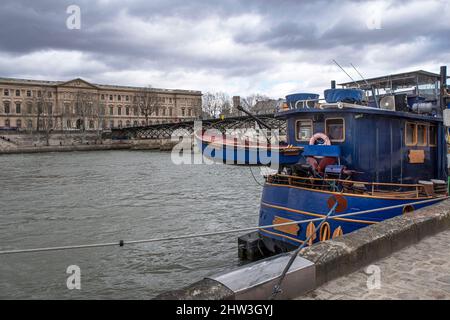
(277, 287)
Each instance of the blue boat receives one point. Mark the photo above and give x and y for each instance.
(230, 150)
(371, 150)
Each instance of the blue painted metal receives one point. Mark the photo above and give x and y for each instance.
(276, 197)
(321, 151)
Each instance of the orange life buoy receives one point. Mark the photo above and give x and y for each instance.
(337, 232)
(311, 231)
(322, 136)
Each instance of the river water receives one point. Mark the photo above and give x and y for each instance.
(57, 199)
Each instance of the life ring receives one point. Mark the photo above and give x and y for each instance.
(325, 160)
(321, 136)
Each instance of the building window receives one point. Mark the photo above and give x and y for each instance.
(102, 97)
(91, 124)
(143, 122)
(110, 97)
(422, 135)
(190, 112)
(135, 123)
(127, 111)
(135, 110)
(7, 123)
(335, 129)
(19, 123)
(157, 112)
(304, 130)
(433, 136)
(119, 111)
(119, 98)
(128, 123)
(183, 112)
(120, 123)
(69, 124)
(49, 94)
(17, 93)
(28, 93)
(30, 124)
(39, 94)
(6, 92)
(164, 111)
(410, 134)
(111, 111)
(111, 123)
(18, 108)
(7, 108)
(29, 108)
(127, 98)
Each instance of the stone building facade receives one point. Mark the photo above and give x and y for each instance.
(34, 105)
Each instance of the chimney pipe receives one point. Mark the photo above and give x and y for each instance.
(333, 84)
(443, 86)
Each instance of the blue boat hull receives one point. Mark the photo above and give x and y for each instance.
(290, 203)
(242, 155)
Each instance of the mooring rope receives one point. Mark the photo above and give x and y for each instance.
(121, 243)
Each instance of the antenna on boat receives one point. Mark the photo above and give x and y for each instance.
(359, 74)
(346, 73)
(368, 85)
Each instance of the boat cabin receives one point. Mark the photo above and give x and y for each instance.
(371, 135)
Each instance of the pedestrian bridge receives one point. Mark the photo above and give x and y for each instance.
(166, 130)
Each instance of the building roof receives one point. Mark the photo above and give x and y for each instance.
(405, 79)
(99, 86)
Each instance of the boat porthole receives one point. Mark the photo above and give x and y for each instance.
(338, 232)
(407, 209)
(325, 232)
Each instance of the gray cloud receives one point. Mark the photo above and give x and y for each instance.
(252, 44)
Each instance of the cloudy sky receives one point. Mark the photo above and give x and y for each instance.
(240, 47)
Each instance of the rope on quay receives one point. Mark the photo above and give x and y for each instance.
(121, 243)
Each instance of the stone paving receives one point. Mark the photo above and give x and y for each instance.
(421, 271)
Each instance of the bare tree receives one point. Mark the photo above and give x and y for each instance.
(86, 108)
(250, 101)
(215, 104)
(46, 121)
(148, 102)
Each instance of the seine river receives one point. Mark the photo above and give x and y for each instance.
(58, 199)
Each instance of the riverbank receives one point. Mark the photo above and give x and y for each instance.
(17, 143)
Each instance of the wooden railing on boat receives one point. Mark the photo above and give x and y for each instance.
(375, 189)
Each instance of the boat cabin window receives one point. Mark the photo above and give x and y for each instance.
(433, 136)
(411, 134)
(304, 130)
(422, 134)
(335, 129)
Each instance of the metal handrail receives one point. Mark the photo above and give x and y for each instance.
(290, 180)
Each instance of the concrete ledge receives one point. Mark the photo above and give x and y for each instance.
(346, 254)
(350, 252)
